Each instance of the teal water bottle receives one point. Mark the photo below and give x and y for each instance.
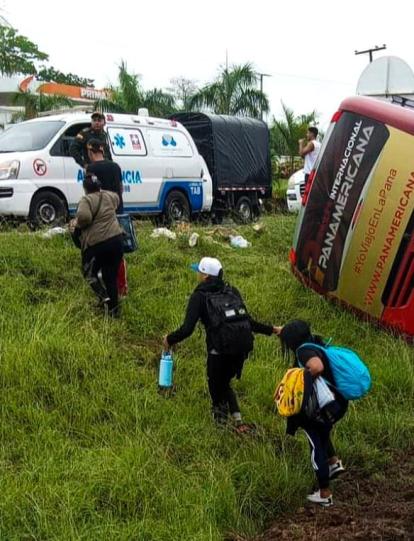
(165, 378)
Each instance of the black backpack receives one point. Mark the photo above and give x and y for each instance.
(229, 323)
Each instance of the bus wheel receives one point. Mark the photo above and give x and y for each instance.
(244, 209)
(176, 207)
(47, 208)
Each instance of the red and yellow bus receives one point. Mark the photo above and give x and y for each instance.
(354, 239)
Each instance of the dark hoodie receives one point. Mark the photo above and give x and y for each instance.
(197, 309)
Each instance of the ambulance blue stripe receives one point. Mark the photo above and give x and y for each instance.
(192, 188)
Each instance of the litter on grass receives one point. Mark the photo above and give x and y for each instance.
(163, 232)
(239, 242)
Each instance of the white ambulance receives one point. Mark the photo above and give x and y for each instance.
(162, 170)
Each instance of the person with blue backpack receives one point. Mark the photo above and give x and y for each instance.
(338, 376)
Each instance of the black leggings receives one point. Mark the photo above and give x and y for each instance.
(105, 257)
(221, 369)
(319, 436)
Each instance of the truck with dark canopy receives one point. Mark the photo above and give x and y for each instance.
(236, 151)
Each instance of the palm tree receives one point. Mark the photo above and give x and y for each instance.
(286, 132)
(234, 92)
(36, 103)
(129, 96)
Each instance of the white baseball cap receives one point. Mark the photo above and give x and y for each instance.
(208, 265)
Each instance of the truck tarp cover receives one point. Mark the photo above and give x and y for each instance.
(236, 149)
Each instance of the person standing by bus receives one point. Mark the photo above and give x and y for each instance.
(309, 150)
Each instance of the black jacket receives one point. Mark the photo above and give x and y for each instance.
(110, 176)
(78, 149)
(197, 310)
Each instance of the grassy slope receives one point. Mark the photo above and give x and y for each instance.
(90, 450)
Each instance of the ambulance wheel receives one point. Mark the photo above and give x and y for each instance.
(176, 207)
(47, 209)
(244, 210)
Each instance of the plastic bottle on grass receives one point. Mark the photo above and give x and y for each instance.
(165, 377)
(239, 242)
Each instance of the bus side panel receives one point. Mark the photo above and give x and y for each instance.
(377, 232)
(349, 157)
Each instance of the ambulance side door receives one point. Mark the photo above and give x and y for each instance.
(129, 150)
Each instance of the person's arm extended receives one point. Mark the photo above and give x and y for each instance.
(76, 149)
(305, 149)
(262, 328)
(191, 317)
(257, 327)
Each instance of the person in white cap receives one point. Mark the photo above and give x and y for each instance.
(229, 337)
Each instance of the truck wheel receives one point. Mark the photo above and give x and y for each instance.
(47, 208)
(244, 209)
(176, 207)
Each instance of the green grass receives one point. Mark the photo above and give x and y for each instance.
(90, 450)
(279, 187)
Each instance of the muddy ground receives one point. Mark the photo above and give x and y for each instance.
(379, 508)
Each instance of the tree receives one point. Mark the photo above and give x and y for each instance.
(17, 53)
(285, 133)
(36, 103)
(129, 96)
(52, 74)
(234, 92)
(183, 90)
(159, 103)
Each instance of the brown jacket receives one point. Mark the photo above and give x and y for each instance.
(104, 225)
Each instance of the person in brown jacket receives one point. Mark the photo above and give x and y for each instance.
(101, 241)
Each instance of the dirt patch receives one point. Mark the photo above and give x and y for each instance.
(377, 508)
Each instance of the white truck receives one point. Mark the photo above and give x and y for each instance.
(163, 171)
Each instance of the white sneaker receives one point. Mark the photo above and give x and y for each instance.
(317, 498)
(336, 469)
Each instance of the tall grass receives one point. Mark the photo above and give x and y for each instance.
(90, 450)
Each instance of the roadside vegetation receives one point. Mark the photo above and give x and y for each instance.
(90, 449)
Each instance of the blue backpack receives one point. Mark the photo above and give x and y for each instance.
(351, 375)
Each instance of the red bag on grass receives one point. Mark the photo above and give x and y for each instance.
(122, 279)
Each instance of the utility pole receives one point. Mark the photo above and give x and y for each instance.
(370, 51)
(261, 75)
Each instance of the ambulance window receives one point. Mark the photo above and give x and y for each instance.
(62, 145)
(127, 142)
(169, 144)
(29, 136)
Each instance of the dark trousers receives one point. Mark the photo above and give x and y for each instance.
(321, 451)
(319, 436)
(105, 257)
(221, 369)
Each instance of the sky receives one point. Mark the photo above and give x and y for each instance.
(307, 48)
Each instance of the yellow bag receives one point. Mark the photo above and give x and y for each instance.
(289, 393)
